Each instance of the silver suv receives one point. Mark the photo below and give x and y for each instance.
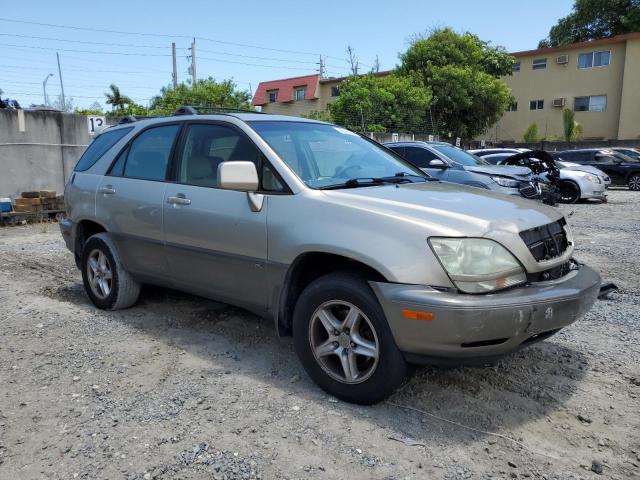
(366, 260)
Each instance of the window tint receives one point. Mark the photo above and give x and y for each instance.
(419, 157)
(149, 153)
(117, 170)
(99, 147)
(207, 146)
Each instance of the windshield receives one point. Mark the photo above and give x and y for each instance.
(624, 158)
(325, 155)
(630, 152)
(460, 156)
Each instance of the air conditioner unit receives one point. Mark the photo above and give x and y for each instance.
(558, 102)
(562, 59)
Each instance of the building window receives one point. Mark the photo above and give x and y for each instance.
(540, 64)
(536, 104)
(273, 96)
(513, 107)
(298, 93)
(335, 91)
(595, 103)
(515, 67)
(594, 59)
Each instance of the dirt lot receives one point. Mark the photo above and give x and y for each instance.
(181, 387)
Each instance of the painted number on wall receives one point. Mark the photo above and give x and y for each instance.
(95, 124)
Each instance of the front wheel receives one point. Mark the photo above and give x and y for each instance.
(344, 342)
(634, 182)
(569, 192)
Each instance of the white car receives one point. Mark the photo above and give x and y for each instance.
(577, 182)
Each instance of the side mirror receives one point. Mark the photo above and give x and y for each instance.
(240, 175)
(437, 163)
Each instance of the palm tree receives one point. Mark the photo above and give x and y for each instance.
(116, 99)
(572, 129)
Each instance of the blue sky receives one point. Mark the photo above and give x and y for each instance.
(279, 39)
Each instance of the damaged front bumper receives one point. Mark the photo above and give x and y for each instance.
(465, 329)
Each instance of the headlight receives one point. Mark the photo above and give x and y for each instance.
(592, 178)
(506, 181)
(477, 265)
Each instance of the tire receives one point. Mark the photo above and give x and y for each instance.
(634, 182)
(569, 192)
(114, 288)
(374, 365)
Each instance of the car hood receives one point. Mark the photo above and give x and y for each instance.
(444, 208)
(502, 170)
(584, 168)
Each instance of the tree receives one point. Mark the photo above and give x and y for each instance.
(116, 99)
(594, 19)
(354, 65)
(322, 115)
(205, 92)
(462, 73)
(530, 134)
(67, 106)
(94, 109)
(374, 103)
(572, 129)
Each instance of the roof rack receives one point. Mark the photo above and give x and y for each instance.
(204, 110)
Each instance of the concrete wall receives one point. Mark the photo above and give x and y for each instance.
(43, 155)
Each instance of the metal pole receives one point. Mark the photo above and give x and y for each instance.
(44, 88)
(64, 102)
(194, 75)
(175, 69)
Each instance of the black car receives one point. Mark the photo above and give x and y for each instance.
(622, 169)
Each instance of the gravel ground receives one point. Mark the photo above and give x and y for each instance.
(179, 387)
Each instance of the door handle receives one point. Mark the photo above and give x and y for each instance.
(107, 190)
(179, 199)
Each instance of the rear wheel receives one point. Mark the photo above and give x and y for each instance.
(344, 342)
(634, 182)
(107, 283)
(569, 192)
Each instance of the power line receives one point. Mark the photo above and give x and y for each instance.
(164, 35)
(87, 51)
(86, 42)
(251, 64)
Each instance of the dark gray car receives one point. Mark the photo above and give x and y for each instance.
(452, 164)
(369, 263)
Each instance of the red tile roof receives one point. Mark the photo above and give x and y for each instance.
(285, 89)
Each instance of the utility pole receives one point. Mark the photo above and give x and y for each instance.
(64, 102)
(175, 69)
(321, 69)
(194, 75)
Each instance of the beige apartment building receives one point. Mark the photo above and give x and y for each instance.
(599, 80)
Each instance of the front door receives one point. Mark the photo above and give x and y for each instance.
(420, 157)
(216, 245)
(129, 201)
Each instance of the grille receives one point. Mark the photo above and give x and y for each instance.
(546, 242)
(528, 190)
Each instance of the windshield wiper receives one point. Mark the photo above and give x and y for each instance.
(401, 177)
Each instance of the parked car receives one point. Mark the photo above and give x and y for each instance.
(452, 164)
(629, 152)
(622, 169)
(483, 152)
(367, 261)
(575, 183)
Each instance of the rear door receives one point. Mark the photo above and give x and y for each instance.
(216, 245)
(129, 200)
(611, 165)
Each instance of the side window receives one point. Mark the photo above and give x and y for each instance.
(148, 155)
(99, 147)
(207, 146)
(117, 170)
(270, 182)
(419, 157)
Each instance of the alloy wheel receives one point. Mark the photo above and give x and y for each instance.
(634, 183)
(99, 274)
(344, 342)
